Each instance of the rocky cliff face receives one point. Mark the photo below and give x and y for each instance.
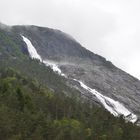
(79, 63)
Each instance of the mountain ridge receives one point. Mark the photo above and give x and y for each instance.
(82, 64)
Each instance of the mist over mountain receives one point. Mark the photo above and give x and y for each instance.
(58, 61)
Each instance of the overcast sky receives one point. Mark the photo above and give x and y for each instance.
(110, 28)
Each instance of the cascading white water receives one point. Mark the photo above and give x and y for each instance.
(32, 51)
(54, 67)
(114, 107)
(34, 55)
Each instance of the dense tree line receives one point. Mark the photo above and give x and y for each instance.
(29, 111)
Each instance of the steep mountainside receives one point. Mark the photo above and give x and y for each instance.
(79, 70)
(14, 54)
(51, 88)
(79, 63)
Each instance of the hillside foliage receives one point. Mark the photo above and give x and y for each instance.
(29, 111)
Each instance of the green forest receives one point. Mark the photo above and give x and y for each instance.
(29, 111)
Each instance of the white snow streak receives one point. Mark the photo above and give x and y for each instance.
(114, 107)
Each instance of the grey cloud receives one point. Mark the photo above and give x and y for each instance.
(109, 28)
